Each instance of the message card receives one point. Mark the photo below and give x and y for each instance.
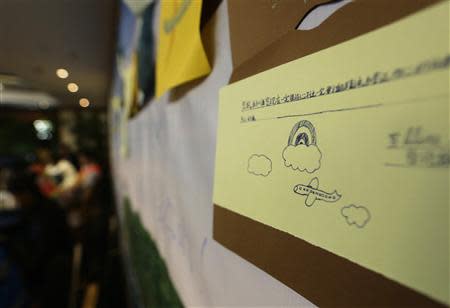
(348, 150)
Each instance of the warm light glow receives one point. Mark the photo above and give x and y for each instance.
(84, 102)
(72, 87)
(62, 73)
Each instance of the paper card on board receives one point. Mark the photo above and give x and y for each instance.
(346, 150)
(180, 55)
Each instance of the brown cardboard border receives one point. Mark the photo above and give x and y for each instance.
(321, 276)
(354, 19)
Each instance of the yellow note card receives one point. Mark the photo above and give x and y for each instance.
(348, 149)
(128, 71)
(180, 56)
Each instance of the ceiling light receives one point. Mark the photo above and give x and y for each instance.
(62, 73)
(72, 87)
(84, 102)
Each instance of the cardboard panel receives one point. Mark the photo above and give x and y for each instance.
(270, 38)
(324, 278)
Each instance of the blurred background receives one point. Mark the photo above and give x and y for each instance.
(58, 226)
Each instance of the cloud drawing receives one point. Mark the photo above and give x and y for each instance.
(302, 157)
(356, 215)
(259, 164)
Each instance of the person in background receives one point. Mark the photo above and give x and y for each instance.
(58, 177)
(83, 190)
(88, 177)
(65, 152)
(7, 199)
(41, 243)
(93, 229)
(44, 183)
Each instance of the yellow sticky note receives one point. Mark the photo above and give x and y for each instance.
(128, 71)
(348, 149)
(180, 56)
(129, 77)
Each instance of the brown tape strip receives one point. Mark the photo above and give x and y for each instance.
(321, 276)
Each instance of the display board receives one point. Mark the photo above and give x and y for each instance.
(168, 177)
